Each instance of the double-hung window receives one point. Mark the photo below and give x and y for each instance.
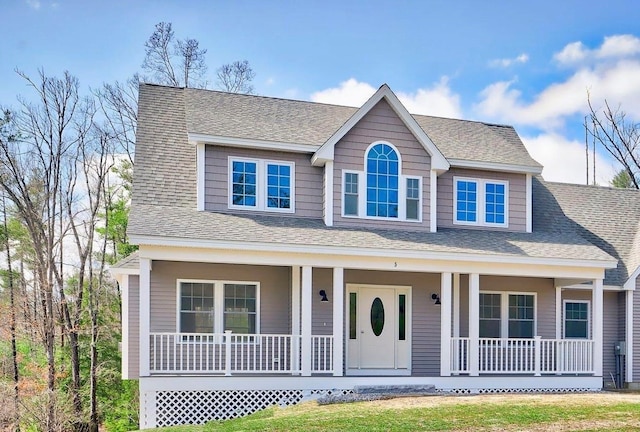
(381, 191)
(480, 202)
(507, 315)
(217, 306)
(576, 319)
(265, 185)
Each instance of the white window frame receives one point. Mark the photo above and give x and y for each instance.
(480, 201)
(504, 311)
(564, 318)
(362, 191)
(218, 302)
(261, 184)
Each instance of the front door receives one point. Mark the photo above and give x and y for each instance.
(378, 328)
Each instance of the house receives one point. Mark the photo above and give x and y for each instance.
(291, 249)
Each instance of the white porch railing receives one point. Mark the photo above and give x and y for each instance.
(228, 353)
(524, 356)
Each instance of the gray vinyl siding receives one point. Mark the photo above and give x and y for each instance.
(133, 336)
(425, 315)
(517, 198)
(275, 291)
(543, 288)
(308, 180)
(381, 123)
(322, 312)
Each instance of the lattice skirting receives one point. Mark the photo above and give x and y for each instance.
(464, 391)
(170, 408)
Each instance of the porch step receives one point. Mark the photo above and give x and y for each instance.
(371, 393)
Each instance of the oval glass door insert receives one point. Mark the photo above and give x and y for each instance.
(377, 316)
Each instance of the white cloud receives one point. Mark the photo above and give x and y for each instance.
(565, 161)
(33, 4)
(270, 81)
(613, 47)
(506, 62)
(437, 100)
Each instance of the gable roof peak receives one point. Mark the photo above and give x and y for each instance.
(326, 151)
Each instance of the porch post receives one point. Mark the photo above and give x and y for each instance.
(597, 301)
(474, 323)
(629, 336)
(145, 316)
(456, 305)
(558, 312)
(306, 320)
(295, 319)
(445, 324)
(338, 320)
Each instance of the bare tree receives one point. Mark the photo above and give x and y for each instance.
(619, 136)
(179, 63)
(236, 77)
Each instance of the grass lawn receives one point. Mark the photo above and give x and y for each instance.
(577, 412)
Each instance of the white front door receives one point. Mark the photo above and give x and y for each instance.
(378, 328)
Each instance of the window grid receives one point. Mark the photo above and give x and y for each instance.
(196, 307)
(240, 308)
(467, 197)
(382, 181)
(576, 320)
(495, 203)
(490, 316)
(278, 186)
(351, 194)
(521, 315)
(244, 183)
(413, 198)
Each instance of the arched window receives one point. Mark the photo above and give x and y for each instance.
(383, 169)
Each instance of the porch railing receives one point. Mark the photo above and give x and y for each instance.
(229, 353)
(524, 356)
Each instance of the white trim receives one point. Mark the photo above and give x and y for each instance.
(559, 312)
(433, 201)
(200, 175)
(328, 193)
(493, 166)
(144, 316)
(597, 323)
(326, 151)
(252, 143)
(629, 335)
(307, 323)
(445, 324)
(564, 317)
(218, 301)
(378, 372)
(338, 320)
(295, 316)
(529, 204)
(474, 317)
(456, 304)
(504, 310)
(261, 185)
(381, 259)
(630, 284)
(480, 201)
(124, 292)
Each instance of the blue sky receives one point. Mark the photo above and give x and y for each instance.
(523, 63)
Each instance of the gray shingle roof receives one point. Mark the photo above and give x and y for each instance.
(607, 217)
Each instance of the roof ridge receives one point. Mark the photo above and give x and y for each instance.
(621, 190)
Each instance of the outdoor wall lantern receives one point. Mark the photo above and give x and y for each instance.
(323, 296)
(435, 297)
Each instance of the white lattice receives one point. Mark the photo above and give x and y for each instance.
(465, 391)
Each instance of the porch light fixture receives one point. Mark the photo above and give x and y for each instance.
(435, 297)
(323, 296)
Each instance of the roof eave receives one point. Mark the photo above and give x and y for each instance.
(515, 168)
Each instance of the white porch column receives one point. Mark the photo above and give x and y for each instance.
(474, 323)
(445, 324)
(338, 320)
(629, 336)
(145, 315)
(456, 305)
(597, 301)
(306, 320)
(558, 312)
(295, 319)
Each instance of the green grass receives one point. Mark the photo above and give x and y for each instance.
(596, 414)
